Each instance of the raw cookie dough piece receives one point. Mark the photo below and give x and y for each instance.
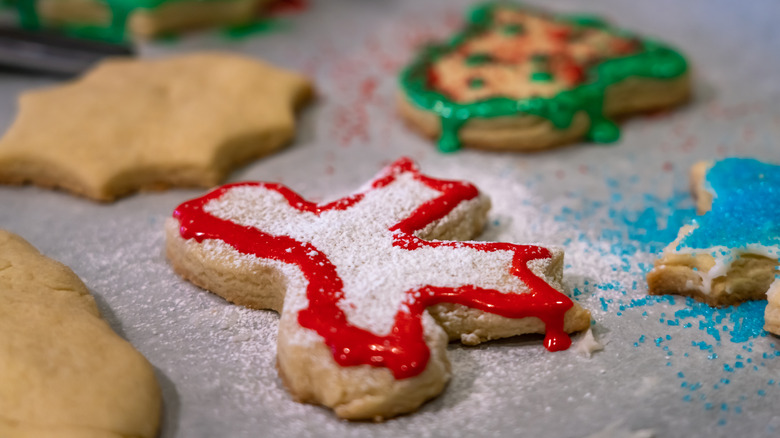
(114, 19)
(520, 79)
(730, 254)
(63, 371)
(132, 125)
(368, 300)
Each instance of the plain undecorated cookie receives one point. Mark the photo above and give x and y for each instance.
(148, 124)
(63, 372)
(368, 299)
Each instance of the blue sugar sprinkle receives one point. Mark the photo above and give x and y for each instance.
(712, 356)
(687, 398)
(724, 407)
(761, 392)
(680, 374)
(722, 422)
(708, 406)
(745, 209)
(747, 319)
(738, 409)
(728, 368)
(725, 381)
(739, 365)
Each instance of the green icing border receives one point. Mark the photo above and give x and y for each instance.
(657, 61)
(116, 30)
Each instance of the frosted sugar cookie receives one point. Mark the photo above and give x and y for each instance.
(516, 78)
(730, 253)
(63, 371)
(371, 287)
(148, 124)
(115, 19)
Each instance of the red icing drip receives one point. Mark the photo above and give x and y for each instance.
(403, 351)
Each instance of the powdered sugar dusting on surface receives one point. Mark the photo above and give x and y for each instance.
(612, 209)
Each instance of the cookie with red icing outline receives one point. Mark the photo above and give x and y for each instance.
(371, 287)
(517, 78)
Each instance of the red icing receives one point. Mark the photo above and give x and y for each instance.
(433, 79)
(559, 33)
(403, 351)
(283, 6)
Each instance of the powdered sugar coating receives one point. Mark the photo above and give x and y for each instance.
(376, 274)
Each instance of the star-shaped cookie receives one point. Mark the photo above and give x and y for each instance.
(132, 125)
(372, 286)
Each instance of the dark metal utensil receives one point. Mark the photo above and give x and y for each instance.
(53, 53)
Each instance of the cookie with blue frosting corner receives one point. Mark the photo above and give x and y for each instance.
(730, 253)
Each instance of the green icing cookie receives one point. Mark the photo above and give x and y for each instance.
(650, 59)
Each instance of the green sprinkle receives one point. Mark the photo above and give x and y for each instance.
(243, 31)
(541, 76)
(513, 29)
(478, 59)
(476, 83)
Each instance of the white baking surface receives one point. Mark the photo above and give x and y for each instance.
(215, 361)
